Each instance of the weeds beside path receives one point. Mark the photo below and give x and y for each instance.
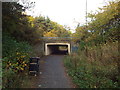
(96, 68)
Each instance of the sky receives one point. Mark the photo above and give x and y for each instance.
(66, 12)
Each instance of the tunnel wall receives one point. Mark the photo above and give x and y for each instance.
(50, 46)
(50, 49)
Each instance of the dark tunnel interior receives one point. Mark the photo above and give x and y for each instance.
(58, 49)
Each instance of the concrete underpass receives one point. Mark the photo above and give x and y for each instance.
(57, 48)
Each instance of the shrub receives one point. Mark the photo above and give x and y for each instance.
(93, 70)
(15, 61)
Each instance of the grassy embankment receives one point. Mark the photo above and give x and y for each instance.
(15, 63)
(94, 67)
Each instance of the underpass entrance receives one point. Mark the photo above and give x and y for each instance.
(57, 48)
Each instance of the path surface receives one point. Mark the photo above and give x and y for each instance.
(53, 73)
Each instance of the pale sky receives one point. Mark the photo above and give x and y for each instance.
(66, 12)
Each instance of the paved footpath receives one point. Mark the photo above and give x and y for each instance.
(53, 73)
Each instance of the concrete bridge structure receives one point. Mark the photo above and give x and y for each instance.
(57, 45)
(54, 48)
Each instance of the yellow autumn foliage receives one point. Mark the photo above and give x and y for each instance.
(50, 34)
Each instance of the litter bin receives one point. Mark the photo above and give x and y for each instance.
(34, 66)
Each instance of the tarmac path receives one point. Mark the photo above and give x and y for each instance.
(52, 73)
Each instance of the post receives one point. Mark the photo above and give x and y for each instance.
(86, 13)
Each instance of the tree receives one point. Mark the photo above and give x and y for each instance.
(105, 23)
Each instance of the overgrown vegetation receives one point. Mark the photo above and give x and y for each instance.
(28, 28)
(96, 64)
(15, 61)
(95, 69)
(21, 33)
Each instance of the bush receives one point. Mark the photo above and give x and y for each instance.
(15, 61)
(93, 71)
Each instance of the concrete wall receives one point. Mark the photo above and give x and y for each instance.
(50, 47)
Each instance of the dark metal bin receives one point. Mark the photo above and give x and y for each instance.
(34, 65)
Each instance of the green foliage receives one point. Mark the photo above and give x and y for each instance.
(49, 28)
(27, 28)
(15, 61)
(20, 31)
(97, 63)
(97, 69)
(11, 13)
(104, 25)
(17, 24)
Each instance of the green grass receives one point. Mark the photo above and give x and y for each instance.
(97, 69)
